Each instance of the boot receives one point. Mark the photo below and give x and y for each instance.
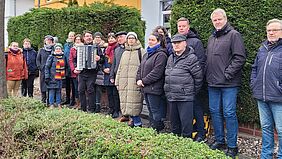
(51, 106)
(72, 103)
(98, 108)
(43, 97)
(59, 106)
(77, 104)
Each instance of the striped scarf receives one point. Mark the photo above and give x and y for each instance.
(60, 67)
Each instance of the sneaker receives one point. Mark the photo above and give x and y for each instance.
(218, 146)
(232, 152)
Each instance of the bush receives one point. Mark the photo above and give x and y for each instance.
(249, 17)
(58, 22)
(29, 130)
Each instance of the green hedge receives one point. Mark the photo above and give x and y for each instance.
(29, 130)
(103, 17)
(249, 17)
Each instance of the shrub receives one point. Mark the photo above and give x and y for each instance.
(38, 132)
(249, 17)
(58, 22)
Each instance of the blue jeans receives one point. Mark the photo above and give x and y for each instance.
(222, 104)
(55, 93)
(156, 106)
(270, 117)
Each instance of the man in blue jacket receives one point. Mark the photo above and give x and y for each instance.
(266, 84)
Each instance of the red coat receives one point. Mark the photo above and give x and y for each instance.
(16, 68)
(72, 61)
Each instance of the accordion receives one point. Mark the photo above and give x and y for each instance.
(86, 57)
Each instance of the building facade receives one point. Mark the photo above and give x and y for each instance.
(15, 8)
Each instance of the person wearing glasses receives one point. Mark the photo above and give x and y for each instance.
(266, 85)
(226, 57)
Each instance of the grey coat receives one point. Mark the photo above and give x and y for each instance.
(225, 58)
(40, 62)
(117, 56)
(183, 76)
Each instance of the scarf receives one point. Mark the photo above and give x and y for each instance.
(14, 51)
(48, 48)
(152, 50)
(60, 67)
(110, 52)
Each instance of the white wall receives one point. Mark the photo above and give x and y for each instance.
(15, 8)
(151, 13)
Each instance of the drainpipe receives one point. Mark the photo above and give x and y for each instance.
(15, 8)
(38, 4)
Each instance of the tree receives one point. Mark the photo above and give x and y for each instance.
(3, 86)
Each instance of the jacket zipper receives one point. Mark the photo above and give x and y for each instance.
(264, 72)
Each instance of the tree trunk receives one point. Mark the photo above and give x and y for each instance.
(3, 85)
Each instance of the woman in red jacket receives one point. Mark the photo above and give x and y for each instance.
(16, 69)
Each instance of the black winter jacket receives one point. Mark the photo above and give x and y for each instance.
(151, 71)
(183, 76)
(30, 56)
(226, 57)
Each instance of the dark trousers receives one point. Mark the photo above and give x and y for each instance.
(156, 105)
(87, 85)
(28, 86)
(199, 126)
(113, 97)
(74, 87)
(99, 92)
(181, 117)
(68, 89)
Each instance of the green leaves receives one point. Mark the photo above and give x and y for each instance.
(103, 17)
(38, 132)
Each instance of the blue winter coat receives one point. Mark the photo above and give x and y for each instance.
(30, 56)
(266, 76)
(50, 72)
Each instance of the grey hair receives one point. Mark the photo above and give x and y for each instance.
(274, 21)
(219, 10)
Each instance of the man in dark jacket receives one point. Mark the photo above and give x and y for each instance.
(87, 78)
(121, 39)
(225, 59)
(183, 79)
(266, 84)
(30, 56)
(193, 40)
(41, 59)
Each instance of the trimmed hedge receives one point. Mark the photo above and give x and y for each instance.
(249, 17)
(103, 17)
(29, 130)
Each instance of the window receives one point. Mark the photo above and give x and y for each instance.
(166, 12)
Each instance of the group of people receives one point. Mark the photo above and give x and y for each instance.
(168, 73)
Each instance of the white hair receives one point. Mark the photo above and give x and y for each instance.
(274, 21)
(219, 10)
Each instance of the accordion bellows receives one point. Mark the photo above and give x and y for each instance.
(86, 57)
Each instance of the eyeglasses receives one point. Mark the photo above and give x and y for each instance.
(131, 38)
(273, 30)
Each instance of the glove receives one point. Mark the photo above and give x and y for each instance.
(47, 80)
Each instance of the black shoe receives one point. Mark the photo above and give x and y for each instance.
(232, 152)
(65, 103)
(217, 145)
(199, 139)
(115, 115)
(72, 103)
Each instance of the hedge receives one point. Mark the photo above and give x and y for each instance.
(249, 17)
(29, 130)
(103, 17)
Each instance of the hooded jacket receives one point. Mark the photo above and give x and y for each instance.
(226, 57)
(30, 57)
(16, 68)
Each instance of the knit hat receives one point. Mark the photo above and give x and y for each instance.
(58, 45)
(49, 37)
(98, 34)
(132, 33)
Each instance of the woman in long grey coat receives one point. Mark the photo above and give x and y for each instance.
(130, 93)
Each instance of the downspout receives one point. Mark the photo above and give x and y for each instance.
(15, 7)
